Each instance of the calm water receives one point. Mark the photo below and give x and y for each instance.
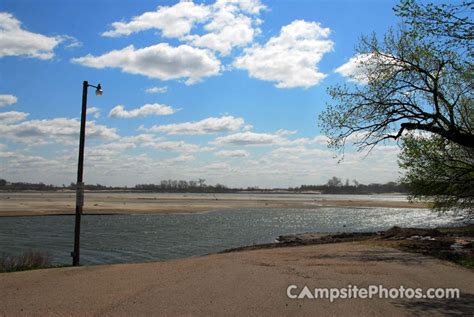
(140, 238)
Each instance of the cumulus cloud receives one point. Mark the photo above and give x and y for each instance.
(160, 61)
(300, 151)
(63, 130)
(141, 138)
(226, 34)
(177, 146)
(320, 139)
(173, 21)
(354, 69)
(290, 58)
(217, 166)
(109, 149)
(205, 126)
(15, 41)
(156, 90)
(6, 155)
(233, 153)
(31, 164)
(248, 6)
(181, 159)
(12, 116)
(7, 100)
(232, 24)
(286, 132)
(145, 110)
(361, 68)
(226, 23)
(249, 138)
(94, 111)
(113, 163)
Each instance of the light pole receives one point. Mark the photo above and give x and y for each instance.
(80, 169)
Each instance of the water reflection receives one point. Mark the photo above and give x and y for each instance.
(139, 238)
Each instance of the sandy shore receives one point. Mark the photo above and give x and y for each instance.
(50, 203)
(240, 283)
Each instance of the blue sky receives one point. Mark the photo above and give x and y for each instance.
(225, 90)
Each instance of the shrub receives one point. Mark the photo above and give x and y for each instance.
(28, 260)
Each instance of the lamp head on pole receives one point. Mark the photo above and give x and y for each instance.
(99, 91)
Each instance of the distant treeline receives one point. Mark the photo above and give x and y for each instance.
(177, 186)
(25, 186)
(337, 186)
(334, 185)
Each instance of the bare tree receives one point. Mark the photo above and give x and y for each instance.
(202, 182)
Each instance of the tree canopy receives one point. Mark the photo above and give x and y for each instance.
(415, 84)
(416, 77)
(439, 170)
(448, 23)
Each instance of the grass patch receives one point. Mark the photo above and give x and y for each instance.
(467, 263)
(29, 260)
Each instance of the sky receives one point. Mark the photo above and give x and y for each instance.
(226, 90)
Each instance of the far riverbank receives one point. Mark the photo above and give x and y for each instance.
(63, 202)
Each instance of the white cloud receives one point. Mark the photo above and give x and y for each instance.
(6, 155)
(232, 24)
(173, 21)
(321, 139)
(354, 68)
(232, 31)
(205, 126)
(248, 6)
(249, 138)
(217, 166)
(290, 58)
(70, 41)
(145, 110)
(156, 90)
(140, 138)
(226, 23)
(233, 153)
(109, 149)
(362, 68)
(32, 164)
(7, 100)
(114, 163)
(63, 130)
(12, 116)
(177, 146)
(181, 159)
(299, 152)
(160, 61)
(279, 137)
(94, 111)
(15, 41)
(286, 132)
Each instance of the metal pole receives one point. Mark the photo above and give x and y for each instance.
(80, 184)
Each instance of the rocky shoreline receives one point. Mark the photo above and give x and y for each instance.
(454, 243)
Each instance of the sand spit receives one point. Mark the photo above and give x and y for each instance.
(53, 203)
